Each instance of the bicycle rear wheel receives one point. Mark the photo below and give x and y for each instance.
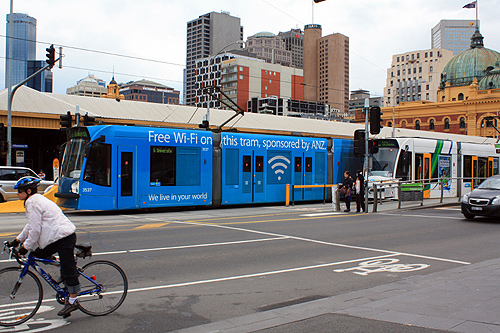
(18, 308)
(113, 288)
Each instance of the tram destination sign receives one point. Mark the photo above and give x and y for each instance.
(78, 132)
(387, 143)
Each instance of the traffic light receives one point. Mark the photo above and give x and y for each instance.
(359, 143)
(204, 124)
(51, 55)
(4, 146)
(375, 114)
(88, 121)
(373, 146)
(66, 120)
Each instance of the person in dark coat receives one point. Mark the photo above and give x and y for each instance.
(346, 189)
(360, 191)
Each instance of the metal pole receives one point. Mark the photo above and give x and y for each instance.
(393, 121)
(365, 166)
(9, 85)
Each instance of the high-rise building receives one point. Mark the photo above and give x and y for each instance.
(208, 35)
(453, 35)
(269, 47)
(43, 81)
(294, 42)
(245, 78)
(326, 68)
(23, 46)
(414, 76)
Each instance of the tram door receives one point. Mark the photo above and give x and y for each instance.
(475, 172)
(126, 196)
(253, 177)
(427, 172)
(491, 169)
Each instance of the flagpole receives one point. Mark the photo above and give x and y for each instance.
(477, 21)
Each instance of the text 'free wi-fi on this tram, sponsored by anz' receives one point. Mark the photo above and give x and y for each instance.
(109, 167)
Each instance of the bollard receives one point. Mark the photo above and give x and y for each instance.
(375, 197)
(287, 195)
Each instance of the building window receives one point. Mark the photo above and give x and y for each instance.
(447, 124)
(462, 123)
(460, 97)
(417, 124)
(431, 125)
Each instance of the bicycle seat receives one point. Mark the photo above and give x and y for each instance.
(83, 250)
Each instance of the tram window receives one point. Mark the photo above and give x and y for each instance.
(319, 168)
(495, 166)
(467, 169)
(482, 166)
(418, 167)
(98, 167)
(309, 167)
(189, 161)
(403, 169)
(434, 170)
(232, 169)
(162, 166)
(259, 163)
(247, 163)
(298, 164)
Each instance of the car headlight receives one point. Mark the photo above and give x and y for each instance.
(465, 198)
(75, 187)
(496, 201)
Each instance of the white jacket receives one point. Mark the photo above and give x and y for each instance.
(46, 223)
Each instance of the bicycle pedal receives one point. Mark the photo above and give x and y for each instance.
(66, 315)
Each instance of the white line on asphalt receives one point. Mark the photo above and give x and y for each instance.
(423, 216)
(237, 277)
(323, 242)
(182, 247)
(322, 214)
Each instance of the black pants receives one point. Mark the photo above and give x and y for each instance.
(347, 201)
(65, 247)
(360, 202)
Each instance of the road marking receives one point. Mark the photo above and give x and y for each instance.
(382, 265)
(151, 226)
(238, 277)
(323, 214)
(325, 243)
(423, 216)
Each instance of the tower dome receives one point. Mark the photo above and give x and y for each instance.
(470, 64)
(492, 79)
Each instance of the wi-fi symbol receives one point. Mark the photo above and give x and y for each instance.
(279, 164)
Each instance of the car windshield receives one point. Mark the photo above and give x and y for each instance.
(490, 184)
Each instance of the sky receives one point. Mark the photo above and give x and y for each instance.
(147, 39)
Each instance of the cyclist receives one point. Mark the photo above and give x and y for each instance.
(53, 231)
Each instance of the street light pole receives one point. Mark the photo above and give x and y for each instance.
(9, 85)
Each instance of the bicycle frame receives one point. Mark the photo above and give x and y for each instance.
(32, 262)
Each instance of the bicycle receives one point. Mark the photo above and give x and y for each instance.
(103, 283)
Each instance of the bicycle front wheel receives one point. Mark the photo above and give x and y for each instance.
(104, 287)
(18, 301)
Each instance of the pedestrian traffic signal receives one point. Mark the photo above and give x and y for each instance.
(51, 56)
(359, 143)
(375, 115)
(88, 121)
(66, 120)
(3, 132)
(373, 146)
(4, 146)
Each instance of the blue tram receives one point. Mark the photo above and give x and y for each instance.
(110, 167)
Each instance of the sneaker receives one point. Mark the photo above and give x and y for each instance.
(68, 308)
(347, 210)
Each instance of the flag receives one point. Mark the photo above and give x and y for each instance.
(470, 5)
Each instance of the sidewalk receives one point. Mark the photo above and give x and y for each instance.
(464, 299)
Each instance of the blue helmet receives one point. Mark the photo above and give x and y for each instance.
(27, 182)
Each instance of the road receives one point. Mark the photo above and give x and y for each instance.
(195, 267)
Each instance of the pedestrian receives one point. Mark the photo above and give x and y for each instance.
(346, 189)
(53, 231)
(360, 191)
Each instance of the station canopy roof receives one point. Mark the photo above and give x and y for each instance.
(28, 100)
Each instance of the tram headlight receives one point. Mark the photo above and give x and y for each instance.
(75, 186)
(496, 200)
(465, 198)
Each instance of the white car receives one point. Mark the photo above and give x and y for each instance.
(9, 175)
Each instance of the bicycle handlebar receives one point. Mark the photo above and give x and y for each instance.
(13, 253)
